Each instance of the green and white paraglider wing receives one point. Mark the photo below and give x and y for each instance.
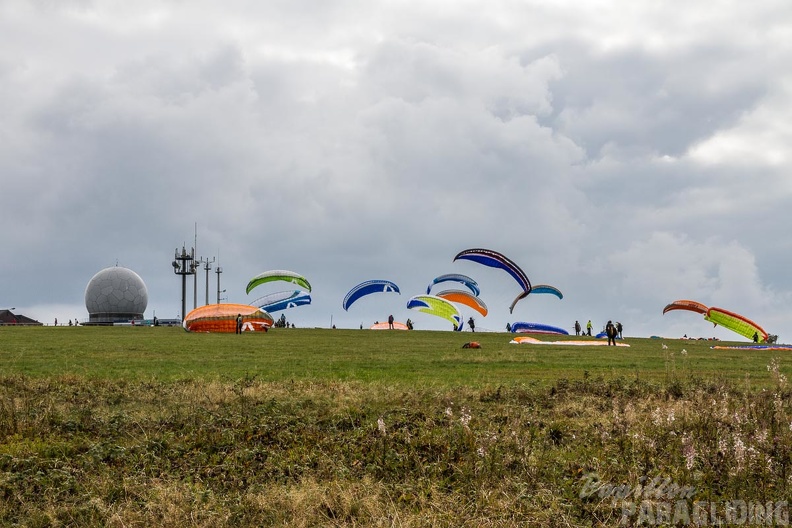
(278, 275)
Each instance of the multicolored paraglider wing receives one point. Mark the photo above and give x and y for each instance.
(466, 298)
(736, 323)
(536, 328)
(278, 301)
(221, 318)
(434, 305)
(278, 275)
(684, 304)
(456, 277)
(367, 288)
(494, 259)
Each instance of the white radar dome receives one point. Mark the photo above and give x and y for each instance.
(115, 294)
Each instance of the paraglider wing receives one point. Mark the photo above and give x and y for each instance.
(221, 318)
(466, 298)
(736, 323)
(521, 327)
(684, 304)
(537, 288)
(434, 305)
(546, 288)
(517, 299)
(278, 275)
(456, 277)
(367, 288)
(494, 259)
(275, 302)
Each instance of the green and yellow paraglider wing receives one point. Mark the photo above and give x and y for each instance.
(434, 305)
(736, 323)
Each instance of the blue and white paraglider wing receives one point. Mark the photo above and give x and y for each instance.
(368, 288)
(493, 259)
(278, 301)
(456, 277)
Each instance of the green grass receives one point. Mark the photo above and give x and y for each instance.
(158, 427)
(417, 357)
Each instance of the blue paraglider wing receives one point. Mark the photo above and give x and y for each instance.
(538, 288)
(367, 288)
(546, 288)
(537, 328)
(493, 259)
(278, 301)
(456, 277)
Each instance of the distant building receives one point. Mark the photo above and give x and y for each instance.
(115, 295)
(9, 318)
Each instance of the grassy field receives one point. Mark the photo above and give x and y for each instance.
(417, 357)
(158, 427)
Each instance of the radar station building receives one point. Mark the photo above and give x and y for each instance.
(115, 295)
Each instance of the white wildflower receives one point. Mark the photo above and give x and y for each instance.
(688, 451)
(657, 416)
(381, 425)
(465, 418)
(739, 451)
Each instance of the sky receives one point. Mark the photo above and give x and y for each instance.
(627, 153)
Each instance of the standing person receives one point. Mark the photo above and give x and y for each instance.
(472, 324)
(756, 337)
(577, 328)
(390, 322)
(589, 326)
(619, 329)
(239, 324)
(56, 321)
(610, 331)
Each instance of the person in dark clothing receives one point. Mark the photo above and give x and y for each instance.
(619, 329)
(610, 331)
(577, 328)
(390, 322)
(239, 324)
(472, 324)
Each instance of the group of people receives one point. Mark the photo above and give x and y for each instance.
(610, 328)
(76, 323)
(391, 320)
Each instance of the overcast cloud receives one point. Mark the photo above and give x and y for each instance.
(628, 153)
